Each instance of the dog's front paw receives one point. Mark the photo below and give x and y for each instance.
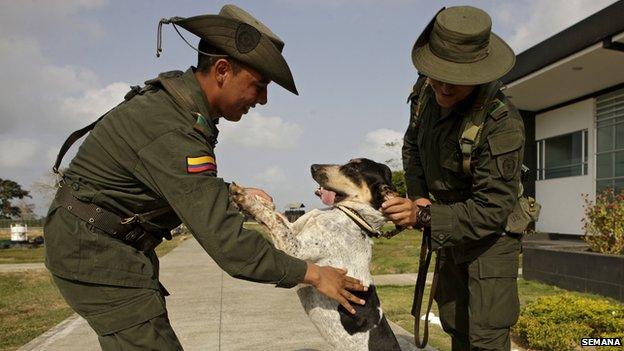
(237, 195)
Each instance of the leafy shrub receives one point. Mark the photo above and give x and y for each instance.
(604, 222)
(398, 180)
(559, 322)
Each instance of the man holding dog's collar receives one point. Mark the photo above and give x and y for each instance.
(464, 145)
(148, 165)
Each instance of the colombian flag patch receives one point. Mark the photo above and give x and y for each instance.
(200, 164)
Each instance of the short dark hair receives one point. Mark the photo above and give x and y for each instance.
(205, 62)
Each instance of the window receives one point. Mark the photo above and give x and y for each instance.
(610, 141)
(562, 156)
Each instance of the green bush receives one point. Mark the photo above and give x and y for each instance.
(604, 222)
(559, 322)
(398, 180)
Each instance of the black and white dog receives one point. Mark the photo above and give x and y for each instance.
(338, 236)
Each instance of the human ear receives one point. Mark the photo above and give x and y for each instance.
(222, 68)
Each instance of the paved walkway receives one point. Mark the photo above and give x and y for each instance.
(211, 311)
(18, 267)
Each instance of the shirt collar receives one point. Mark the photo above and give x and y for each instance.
(197, 94)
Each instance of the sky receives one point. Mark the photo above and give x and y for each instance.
(63, 63)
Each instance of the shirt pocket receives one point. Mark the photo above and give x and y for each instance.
(450, 157)
(451, 160)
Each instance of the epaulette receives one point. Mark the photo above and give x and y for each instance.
(498, 109)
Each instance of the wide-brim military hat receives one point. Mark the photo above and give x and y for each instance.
(458, 47)
(245, 39)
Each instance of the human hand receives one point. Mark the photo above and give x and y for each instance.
(260, 193)
(404, 212)
(422, 202)
(334, 283)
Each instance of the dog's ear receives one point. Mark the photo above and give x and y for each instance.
(387, 175)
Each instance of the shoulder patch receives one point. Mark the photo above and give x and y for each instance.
(498, 109)
(200, 164)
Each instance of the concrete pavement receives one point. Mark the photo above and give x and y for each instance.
(211, 311)
(19, 267)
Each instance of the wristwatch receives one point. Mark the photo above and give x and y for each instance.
(423, 217)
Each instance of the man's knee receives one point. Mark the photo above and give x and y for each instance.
(452, 298)
(110, 309)
(494, 303)
(490, 339)
(154, 334)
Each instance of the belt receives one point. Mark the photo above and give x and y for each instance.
(126, 229)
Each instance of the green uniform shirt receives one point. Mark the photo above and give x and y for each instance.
(139, 158)
(466, 208)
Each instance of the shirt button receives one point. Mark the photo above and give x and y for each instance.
(75, 186)
(441, 236)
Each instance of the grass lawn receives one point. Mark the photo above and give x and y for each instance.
(397, 255)
(167, 245)
(397, 302)
(22, 255)
(31, 304)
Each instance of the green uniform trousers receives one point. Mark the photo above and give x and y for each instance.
(478, 298)
(125, 319)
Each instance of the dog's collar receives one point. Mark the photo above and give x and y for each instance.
(360, 221)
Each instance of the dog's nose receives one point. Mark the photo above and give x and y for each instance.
(314, 168)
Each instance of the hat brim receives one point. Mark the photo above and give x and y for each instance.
(496, 64)
(221, 32)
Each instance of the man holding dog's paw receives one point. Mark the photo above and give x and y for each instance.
(147, 166)
(464, 145)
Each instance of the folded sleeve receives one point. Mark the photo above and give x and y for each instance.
(181, 167)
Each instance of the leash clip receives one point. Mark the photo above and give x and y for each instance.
(130, 220)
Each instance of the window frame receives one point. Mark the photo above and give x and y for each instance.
(609, 116)
(541, 146)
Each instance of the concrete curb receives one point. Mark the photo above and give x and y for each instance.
(43, 341)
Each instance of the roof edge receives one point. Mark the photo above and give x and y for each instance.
(589, 31)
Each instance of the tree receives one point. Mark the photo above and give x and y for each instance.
(45, 188)
(27, 210)
(398, 175)
(10, 190)
(398, 179)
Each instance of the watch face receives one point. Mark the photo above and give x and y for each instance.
(424, 215)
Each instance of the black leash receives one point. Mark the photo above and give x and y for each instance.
(419, 290)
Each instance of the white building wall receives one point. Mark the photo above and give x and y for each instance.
(562, 203)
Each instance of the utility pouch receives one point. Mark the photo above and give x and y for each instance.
(524, 215)
(526, 212)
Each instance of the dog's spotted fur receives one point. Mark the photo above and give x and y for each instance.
(329, 237)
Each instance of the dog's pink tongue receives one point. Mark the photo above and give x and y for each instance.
(327, 196)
